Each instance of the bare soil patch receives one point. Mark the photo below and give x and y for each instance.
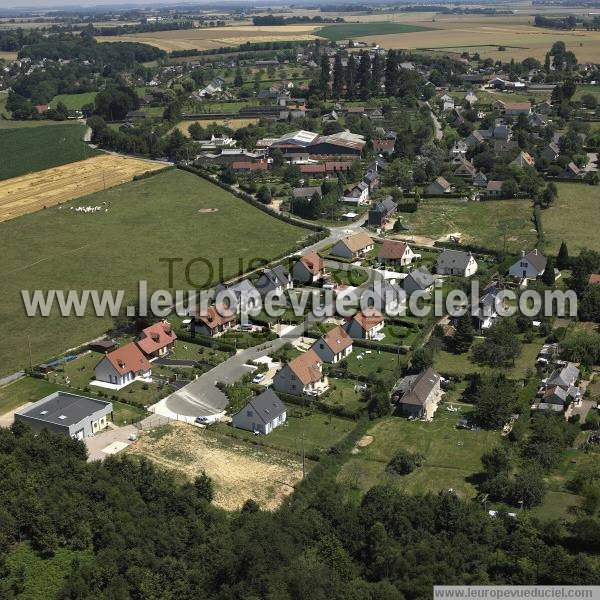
(240, 471)
(208, 210)
(364, 441)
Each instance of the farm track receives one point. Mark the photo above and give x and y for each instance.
(35, 191)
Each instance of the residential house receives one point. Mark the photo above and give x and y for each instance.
(551, 152)
(479, 179)
(419, 280)
(353, 247)
(529, 266)
(513, 109)
(157, 340)
(381, 212)
(523, 160)
(594, 279)
(302, 375)
(63, 412)
(333, 346)
(459, 150)
(396, 253)
(241, 296)
(418, 396)
(244, 166)
(384, 147)
(213, 321)
(571, 171)
(122, 366)
(560, 388)
(388, 297)
(456, 262)
(493, 189)
(366, 325)
(359, 194)
(261, 414)
(465, 168)
(372, 179)
(484, 312)
(438, 187)
(309, 269)
(275, 280)
(306, 193)
(474, 139)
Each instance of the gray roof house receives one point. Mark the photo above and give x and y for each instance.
(383, 210)
(63, 412)
(437, 187)
(418, 280)
(529, 266)
(564, 377)
(305, 193)
(456, 262)
(243, 292)
(388, 297)
(262, 414)
(418, 396)
(277, 280)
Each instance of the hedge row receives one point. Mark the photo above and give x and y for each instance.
(148, 174)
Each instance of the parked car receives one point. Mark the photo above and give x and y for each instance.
(258, 378)
(201, 420)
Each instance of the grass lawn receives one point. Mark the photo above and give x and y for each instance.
(189, 351)
(74, 101)
(146, 221)
(352, 277)
(354, 30)
(461, 364)
(483, 223)
(377, 362)
(583, 90)
(452, 455)
(81, 371)
(320, 430)
(342, 393)
(43, 577)
(580, 202)
(36, 148)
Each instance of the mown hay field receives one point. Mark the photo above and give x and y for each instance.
(216, 37)
(39, 190)
(184, 126)
(359, 30)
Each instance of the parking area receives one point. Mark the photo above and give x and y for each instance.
(109, 442)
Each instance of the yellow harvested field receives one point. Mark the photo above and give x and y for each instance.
(8, 55)
(216, 37)
(454, 34)
(184, 126)
(239, 470)
(35, 191)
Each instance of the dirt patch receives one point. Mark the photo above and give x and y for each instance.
(364, 441)
(36, 191)
(239, 470)
(208, 210)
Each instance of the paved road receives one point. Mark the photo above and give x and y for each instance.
(202, 397)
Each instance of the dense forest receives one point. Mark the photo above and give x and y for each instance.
(146, 536)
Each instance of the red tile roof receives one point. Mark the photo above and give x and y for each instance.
(249, 166)
(156, 337)
(392, 250)
(128, 358)
(313, 262)
(215, 318)
(368, 318)
(337, 339)
(307, 367)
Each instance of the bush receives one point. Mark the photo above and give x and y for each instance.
(404, 462)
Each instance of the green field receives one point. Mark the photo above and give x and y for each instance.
(145, 221)
(356, 30)
(451, 455)
(37, 148)
(320, 432)
(573, 218)
(481, 223)
(74, 101)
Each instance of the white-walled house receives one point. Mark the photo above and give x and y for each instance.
(456, 262)
(122, 366)
(529, 266)
(334, 346)
(354, 246)
(302, 375)
(261, 414)
(396, 253)
(366, 325)
(309, 269)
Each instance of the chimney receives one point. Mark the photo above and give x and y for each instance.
(535, 251)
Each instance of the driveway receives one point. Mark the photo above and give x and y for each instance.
(109, 442)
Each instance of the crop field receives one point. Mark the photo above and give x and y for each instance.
(74, 101)
(8, 55)
(489, 224)
(239, 469)
(358, 30)
(457, 34)
(216, 37)
(452, 455)
(36, 191)
(163, 216)
(573, 218)
(37, 148)
(184, 126)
